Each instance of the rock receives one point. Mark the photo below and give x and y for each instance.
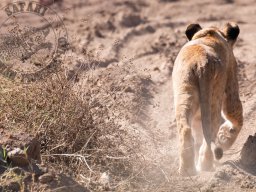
(248, 153)
(33, 150)
(18, 157)
(46, 178)
(21, 147)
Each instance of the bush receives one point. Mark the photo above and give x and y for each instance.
(77, 136)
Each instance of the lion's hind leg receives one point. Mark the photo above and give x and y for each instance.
(187, 152)
(197, 134)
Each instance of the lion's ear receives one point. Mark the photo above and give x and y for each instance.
(231, 31)
(192, 29)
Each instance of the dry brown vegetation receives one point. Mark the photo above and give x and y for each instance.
(78, 134)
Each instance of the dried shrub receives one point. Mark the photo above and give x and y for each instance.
(78, 135)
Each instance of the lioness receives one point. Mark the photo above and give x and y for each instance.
(205, 86)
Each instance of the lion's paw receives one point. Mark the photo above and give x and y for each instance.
(225, 132)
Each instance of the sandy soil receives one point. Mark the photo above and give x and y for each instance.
(145, 36)
(148, 35)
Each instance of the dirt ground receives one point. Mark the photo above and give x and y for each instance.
(141, 38)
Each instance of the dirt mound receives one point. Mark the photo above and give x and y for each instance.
(248, 153)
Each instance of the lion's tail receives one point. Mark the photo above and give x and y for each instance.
(205, 104)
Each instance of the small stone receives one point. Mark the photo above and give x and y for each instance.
(18, 158)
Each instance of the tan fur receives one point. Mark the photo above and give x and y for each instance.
(204, 85)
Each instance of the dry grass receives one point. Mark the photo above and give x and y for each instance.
(78, 135)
